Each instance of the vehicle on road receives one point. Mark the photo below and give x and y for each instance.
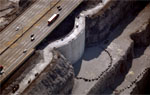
(32, 38)
(59, 8)
(1, 69)
(17, 28)
(52, 18)
(25, 50)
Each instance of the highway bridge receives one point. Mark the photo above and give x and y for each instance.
(16, 43)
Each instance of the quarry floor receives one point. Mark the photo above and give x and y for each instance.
(96, 60)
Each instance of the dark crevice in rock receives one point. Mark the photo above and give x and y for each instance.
(65, 28)
(25, 3)
(98, 32)
(143, 85)
(141, 41)
(20, 73)
(147, 84)
(55, 79)
(102, 29)
(120, 71)
(87, 4)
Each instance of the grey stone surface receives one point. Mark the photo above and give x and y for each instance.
(99, 27)
(135, 65)
(57, 79)
(138, 65)
(92, 64)
(118, 43)
(119, 32)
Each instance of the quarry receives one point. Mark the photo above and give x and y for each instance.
(102, 47)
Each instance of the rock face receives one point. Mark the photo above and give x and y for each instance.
(100, 26)
(122, 34)
(56, 78)
(9, 9)
(104, 67)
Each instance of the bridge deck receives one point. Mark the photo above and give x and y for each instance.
(24, 22)
(13, 57)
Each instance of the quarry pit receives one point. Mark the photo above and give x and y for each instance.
(102, 47)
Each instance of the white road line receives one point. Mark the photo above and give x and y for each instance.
(11, 61)
(23, 18)
(29, 45)
(14, 62)
(48, 29)
(17, 20)
(15, 51)
(11, 55)
(14, 32)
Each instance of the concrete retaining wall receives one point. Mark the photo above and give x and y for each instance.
(72, 46)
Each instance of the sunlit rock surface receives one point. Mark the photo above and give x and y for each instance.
(56, 78)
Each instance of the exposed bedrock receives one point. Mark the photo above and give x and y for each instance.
(141, 59)
(40, 77)
(142, 38)
(58, 78)
(143, 85)
(123, 50)
(105, 20)
(107, 41)
(111, 29)
(108, 26)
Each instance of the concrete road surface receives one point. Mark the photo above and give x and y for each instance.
(24, 22)
(15, 55)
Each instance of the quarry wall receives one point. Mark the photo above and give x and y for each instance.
(91, 27)
(57, 78)
(103, 22)
(40, 77)
(94, 25)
